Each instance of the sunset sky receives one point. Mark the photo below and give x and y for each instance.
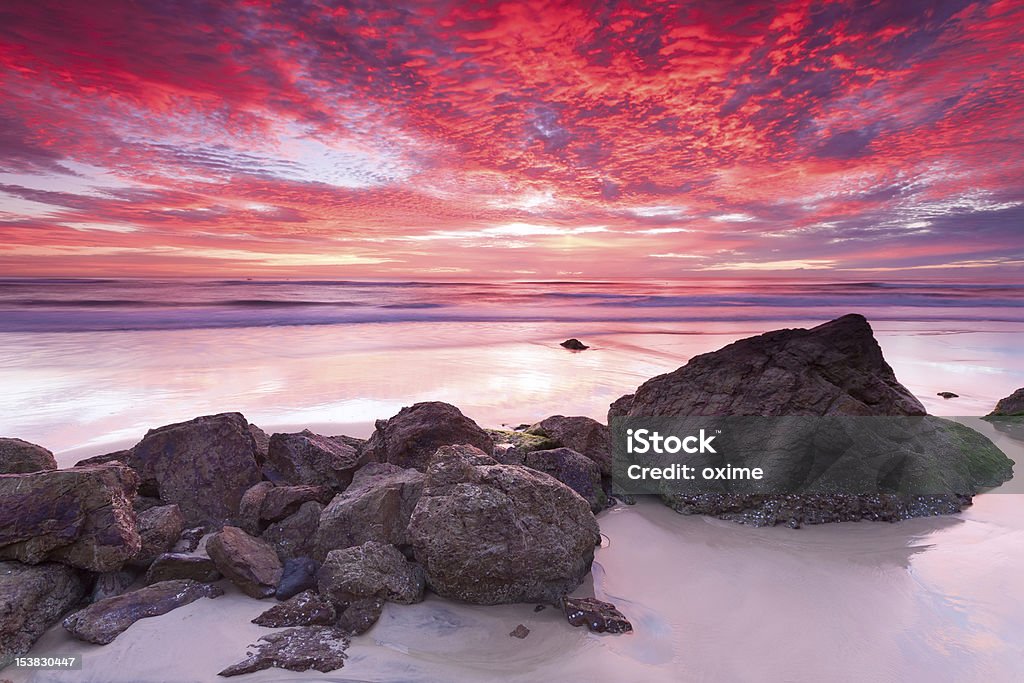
(519, 140)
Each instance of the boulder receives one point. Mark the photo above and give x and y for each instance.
(33, 598)
(576, 471)
(250, 563)
(170, 566)
(121, 456)
(311, 459)
(81, 517)
(574, 345)
(596, 615)
(262, 443)
(1011, 406)
(377, 506)
(302, 648)
(367, 571)
(22, 457)
(510, 447)
(250, 507)
(305, 609)
(410, 438)
(103, 621)
(360, 615)
(109, 584)
(581, 434)
(295, 536)
(204, 465)
(299, 574)
(160, 528)
(487, 533)
(282, 501)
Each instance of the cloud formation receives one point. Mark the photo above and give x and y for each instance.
(511, 139)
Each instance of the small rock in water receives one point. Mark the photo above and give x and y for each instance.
(598, 616)
(948, 394)
(574, 345)
(297, 649)
(520, 632)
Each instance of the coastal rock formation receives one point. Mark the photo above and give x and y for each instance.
(262, 443)
(574, 345)
(489, 533)
(282, 501)
(321, 648)
(1011, 406)
(305, 609)
(582, 434)
(249, 562)
(377, 506)
(360, 615)
(410, 438)
(170, 566)
(510, 447)
(251, 507)
(572, 469)
(204, 465)
(82, 517)
(370, 570)
(596, 615)
(160, 528)
(33, 598)
(22, 457)
(308, 458)
(833, 369)
(105, 620)
(299, 574)
(295, 536)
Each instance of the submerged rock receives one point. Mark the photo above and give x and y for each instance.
(297, 649)
(597, 616)
(572, 469)
(371, 570)
(574, 345)
(81, 516)
(249, 562)
(582, 434)
(33, 598)
(22, 457)
(305, 609)
(489, 533)
(410, 438)
(101, 622)
(520, 632)
(310, 459)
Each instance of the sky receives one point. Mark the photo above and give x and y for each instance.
(379, 138)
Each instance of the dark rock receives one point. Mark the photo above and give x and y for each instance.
(520, 632)
(581, 434)
(295, 536)
(189, 540)
(572, 469)
(250, 507)
(204, 465)
(620, 407)
(282, 501)
(160, 528)
(540, 608)
(352, 441)
(574, 345)
(305, 609)
(262, 442)
(103, 621)
(370, 570)
(375, 507)
(598, 616)
(81, 516)
(33, 598)
(948, 394)
(297, 649)
(121, 456)
(170, 566)
(143, 503)
(489, 533)
(22, 457)
(1011, 406)
(308, 458)
(249, 562)
(109, 584)
(299, 574)
(410, 438)
(360, 615)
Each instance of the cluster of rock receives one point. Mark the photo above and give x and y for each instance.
(333, 527)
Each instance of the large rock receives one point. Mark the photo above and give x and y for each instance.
(489, 533)
(302, 648)
(582, 434)
(833, 369)
(251, 506)
(105, 620)
(576, 471)
(249, 562)
(308, 608)
(204, 465)
(308, 458)
(283, 501)
(1011, 406)
(160, 528)
(367, 571)
(22, 457)
(299, 574)
(170, 566)
(410, 438)
(295, 536)
(33, 598)
(82, 517)
(377, 506)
